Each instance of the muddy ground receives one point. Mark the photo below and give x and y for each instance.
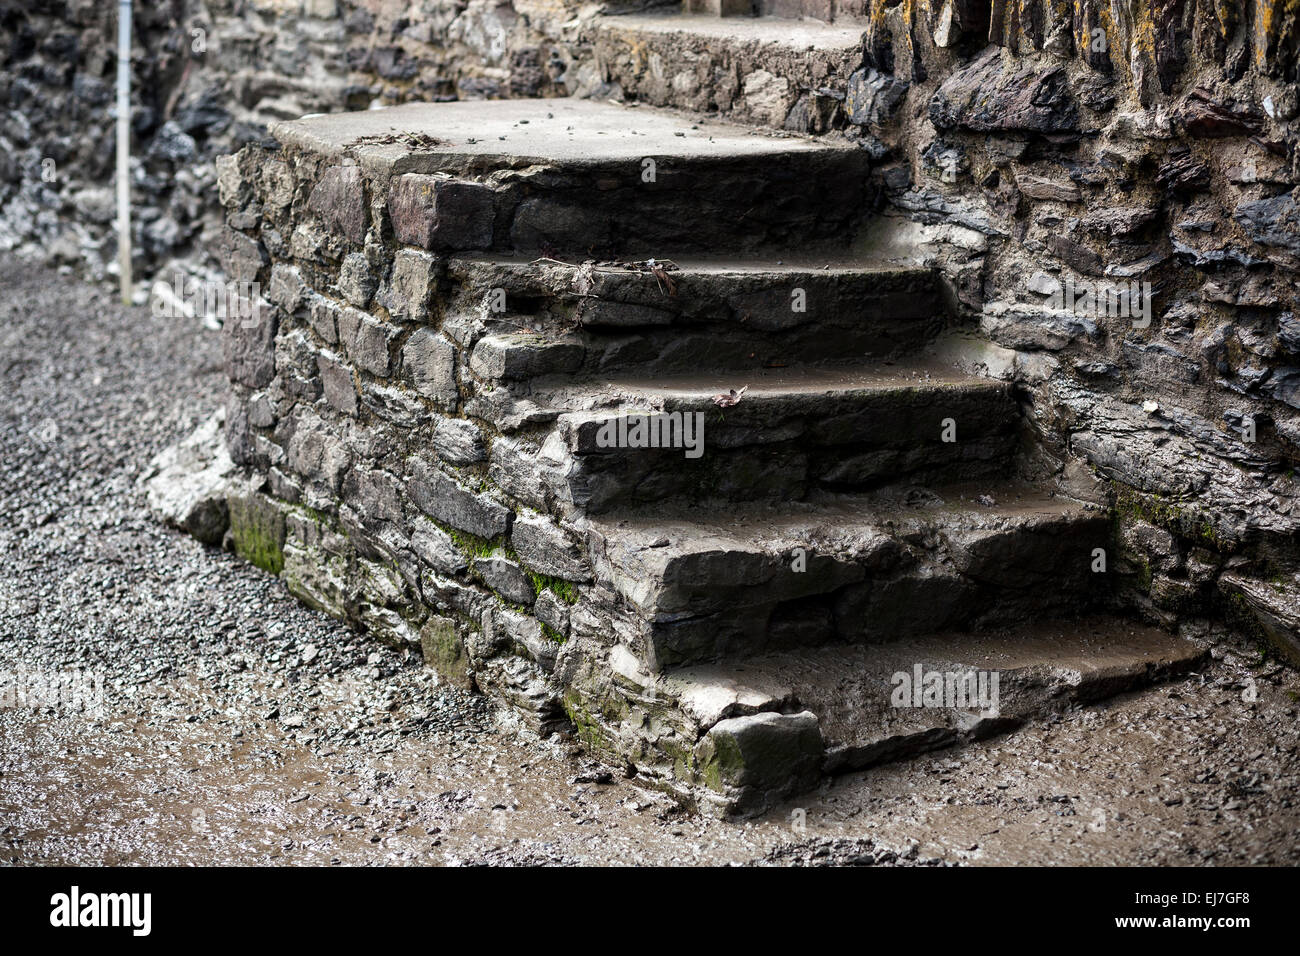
(240, 727)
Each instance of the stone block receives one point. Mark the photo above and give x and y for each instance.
(437, 213)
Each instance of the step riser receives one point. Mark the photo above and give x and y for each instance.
(605, 210)
(770, 448)
(520, 360)
(729, 604)
(806, 202)
(825, 10)
(631, 322)
(738, 461)
(752, 736)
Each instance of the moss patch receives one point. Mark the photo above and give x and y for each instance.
(257, 529)
(444, 651)
(1170, 515)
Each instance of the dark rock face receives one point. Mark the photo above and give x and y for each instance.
(984, 98)
(1083, 168)
(1272, 222)
(873, 97)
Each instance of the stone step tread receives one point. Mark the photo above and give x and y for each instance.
(762, 525)
(835, 264)
(524, 132)
(775, 31)
(1042, 667)
(768, 384)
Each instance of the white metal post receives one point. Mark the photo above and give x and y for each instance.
(124, 147)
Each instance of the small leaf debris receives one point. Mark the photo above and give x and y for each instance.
(729, 398)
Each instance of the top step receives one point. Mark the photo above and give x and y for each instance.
(770, 31)
(782, 73)
(487, 135)
(577, 177)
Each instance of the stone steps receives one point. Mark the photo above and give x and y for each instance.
(461, 297)
(857, 568)
(578, 178)
(623, 442)
(752, 731)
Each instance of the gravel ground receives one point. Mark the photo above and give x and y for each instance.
(238, 726)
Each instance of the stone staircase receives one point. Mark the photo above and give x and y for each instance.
(467, 300)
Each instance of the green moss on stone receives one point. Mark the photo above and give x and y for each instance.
(257, 530)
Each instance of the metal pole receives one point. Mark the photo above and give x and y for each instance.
(124, 147)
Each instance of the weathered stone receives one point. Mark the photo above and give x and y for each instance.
(1120, 222)
(439, 213)
(767, 96)
(1040, 187)
(356, 281)
(392, 404)
(442, 499)
(323, 316)
(248, 347)
(337, 385)
(187, 483)
(552, 611)
(1272, 222)
(372, 494)
(545, 549)
(339, 197)
(983, 98)
(1201, 116)
(414, 275)
(287, 289)
(1182, 172)
(506, 578)
(459, 441)
(430, 362)
(317, 455)
(242, 257)
(233, 188)
(872, 97)
(525, 631)
(436, 548)
(765, 755)
(1027, 327)
(366, 341)
(511, 357)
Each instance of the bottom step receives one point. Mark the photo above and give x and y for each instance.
(769, 726)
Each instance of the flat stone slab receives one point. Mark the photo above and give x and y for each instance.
(496, 134)
(763, 385)
(1041, 668)
(795, 34)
